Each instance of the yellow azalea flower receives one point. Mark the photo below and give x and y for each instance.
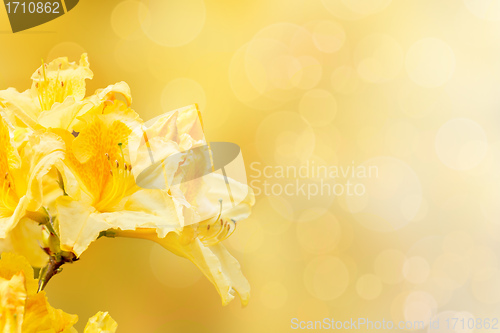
(56, 98)
(201, 242)
(98, 159)
(181, 130)
(159, 147)
(23, 167)
(52, 84)
(23, 310)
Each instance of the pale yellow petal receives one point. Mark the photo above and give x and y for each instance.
(47, 149)
(101, 322)
(8, 223)
(11, 264)
(41, 317)
(202, 198)
(232, 269)
(112, 92)
(151, 209)
(12, 302)
(55, 81)
(20, 106)
(79, 225)
(64, 115)
(224, 271)
(190, 122)
(25, 239)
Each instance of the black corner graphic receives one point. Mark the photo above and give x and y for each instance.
(31, 13)
(70, 4)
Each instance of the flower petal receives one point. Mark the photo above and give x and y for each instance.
(101, 323)
(24, 240)
(41, 317)
(20, 106)
(11, 264)
(47, 149)
(216, 264)
(12, 301)
(55, 81)
(64, 115)
(79, 225)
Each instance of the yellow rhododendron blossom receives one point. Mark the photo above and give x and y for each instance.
(98, 160)
(23, 166)
(201, 242)
(52, 84)
(74, 168)
(57, 96)
(23, 310)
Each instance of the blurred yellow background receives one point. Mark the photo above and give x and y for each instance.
(409, 86)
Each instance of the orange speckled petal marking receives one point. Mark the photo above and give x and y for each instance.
(12, 301)
(9, 159)
(97, 157)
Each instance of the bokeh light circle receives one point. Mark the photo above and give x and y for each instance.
(127, 19)
(488, 10)
(416, 270)
(273, 295)
(319, 236)
(326, 278)
(318, 107)
(181, 92)
(485, 285)
(378, 58)
(419, 307)
(452, 270)
(285, 138)
(369, 286)
(388, 266)
(392, 198)
(430, 62)
(71, 50)
(310, 72)
(354, 9)
(328, 36)
(461, 144)
(172, 23)
(345, 80)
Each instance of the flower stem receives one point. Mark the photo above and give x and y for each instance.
(52, 268)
